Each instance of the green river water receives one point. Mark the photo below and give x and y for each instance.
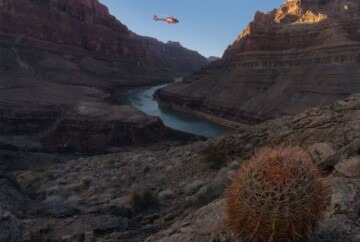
(144, 101)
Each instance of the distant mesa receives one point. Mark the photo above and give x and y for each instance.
(213, 58)
(174, 43)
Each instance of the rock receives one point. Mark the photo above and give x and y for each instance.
(27, 178)
(95, 126)
(345, 194)
(309, 130)
(321, 151)
(56, 206)
(337, 228)
(11, 196)
(286, 61)
(12, 229)
(149, 218)
(206, 224)
(349, 167)
(53, 202)
(169, 168)
(73, 227)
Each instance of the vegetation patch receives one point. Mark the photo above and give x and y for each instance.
(207, 195)
(213, 156)
(143, 200)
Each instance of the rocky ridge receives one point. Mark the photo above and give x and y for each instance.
(58, 55)
(304, 54)
(97, 197)
(337, 154)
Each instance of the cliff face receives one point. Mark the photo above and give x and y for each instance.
(93, 127)
(87, 24)
(189, 62)
(58, 54)
(304, 54)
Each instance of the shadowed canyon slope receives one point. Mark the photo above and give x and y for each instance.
(89, 198)
(304, 54)
(60, 56)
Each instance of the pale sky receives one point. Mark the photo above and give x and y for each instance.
(206, 26)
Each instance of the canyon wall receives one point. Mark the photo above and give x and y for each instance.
(76, 26)
(58, 54)
(304, 54)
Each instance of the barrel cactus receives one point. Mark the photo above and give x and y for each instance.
(276, 196)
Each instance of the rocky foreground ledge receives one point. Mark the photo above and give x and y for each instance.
(165, 193)
(330, 134)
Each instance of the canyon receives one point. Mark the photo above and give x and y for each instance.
(78, 165)
(65, 62)
(304, 54)
(101, 197)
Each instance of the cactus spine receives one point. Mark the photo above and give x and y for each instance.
(276, 196)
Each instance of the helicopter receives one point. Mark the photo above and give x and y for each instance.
(169, 20)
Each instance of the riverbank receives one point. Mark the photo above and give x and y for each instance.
(117, 95)
(185, 122)
(212, 118)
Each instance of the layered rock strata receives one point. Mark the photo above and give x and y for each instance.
(94, 127)
(58, 54)
(304, 54)
(85, 27)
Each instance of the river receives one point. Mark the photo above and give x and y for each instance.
(144, 101)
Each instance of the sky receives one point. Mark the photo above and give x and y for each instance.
(206, 26)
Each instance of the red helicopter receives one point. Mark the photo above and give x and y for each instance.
(169, 20)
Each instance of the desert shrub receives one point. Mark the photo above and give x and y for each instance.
(276, 196)
(50, 175)
(213, 156)
(86, 181)
(322, 2)
(207, 195)
(143, 200)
